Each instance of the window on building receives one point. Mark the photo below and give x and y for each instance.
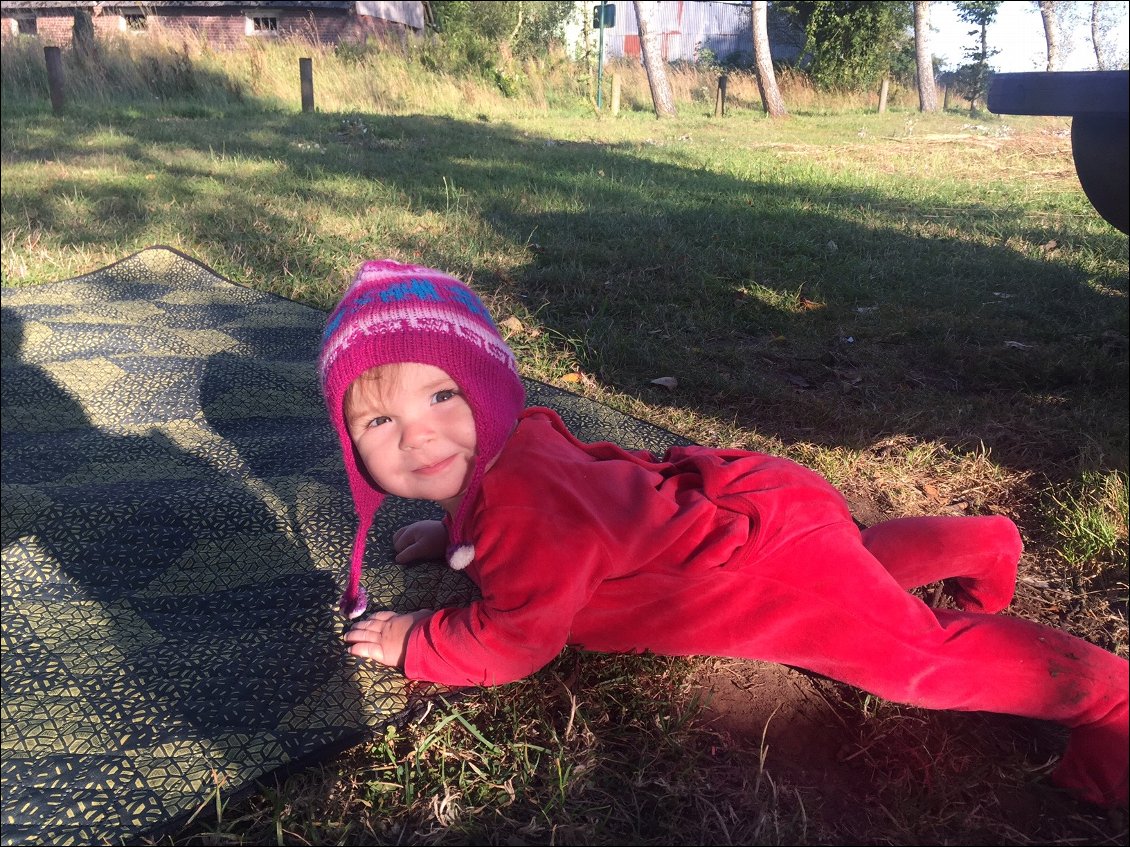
(24, 26)
(135, 22)
(265, 23)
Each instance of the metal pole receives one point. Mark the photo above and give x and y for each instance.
(600, 62)
(306, 79)
(55, 86)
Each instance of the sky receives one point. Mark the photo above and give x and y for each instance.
(1018, 32)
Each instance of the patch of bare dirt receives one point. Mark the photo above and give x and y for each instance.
(900, 774)
(783, 715)
(865, 768)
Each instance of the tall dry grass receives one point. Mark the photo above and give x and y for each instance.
(385, 78)
(696, 86)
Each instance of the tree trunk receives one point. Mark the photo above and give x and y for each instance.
(763, 62)
(517, 27)
(924, 58)
(1051, 32)
(82, 33)
(1095, 35)
(979, 90)
(653, 61)
(1105, 21)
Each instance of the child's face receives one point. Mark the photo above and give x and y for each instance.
(414, 432)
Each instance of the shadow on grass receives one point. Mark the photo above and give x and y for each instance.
(149, 591)
(805, 309)
(648, 269)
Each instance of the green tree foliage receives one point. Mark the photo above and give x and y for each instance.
(973, 78)
(478, 30)
(490, 38)
(851, 46)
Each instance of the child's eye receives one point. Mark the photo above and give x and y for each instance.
(445, 395)
(375, 422)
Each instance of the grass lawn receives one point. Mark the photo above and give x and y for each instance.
(926, 309)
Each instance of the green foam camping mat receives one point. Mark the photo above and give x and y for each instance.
(176, 524)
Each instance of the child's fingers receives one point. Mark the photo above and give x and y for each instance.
(368, 629)
(366, 638)
(415, 549)
(419, 540)
(401, 536)
(368, 650)
(409, 553)
(375, 622)
(409, 543)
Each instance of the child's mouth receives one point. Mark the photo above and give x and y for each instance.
(436, 468)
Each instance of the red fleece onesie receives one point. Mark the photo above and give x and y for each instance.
(733, 553)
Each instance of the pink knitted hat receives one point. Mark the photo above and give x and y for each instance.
(396, 313)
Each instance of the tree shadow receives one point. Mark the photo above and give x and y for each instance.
(614, 267)
(863, 333)
(167, 632)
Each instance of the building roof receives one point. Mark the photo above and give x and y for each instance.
(29, 5)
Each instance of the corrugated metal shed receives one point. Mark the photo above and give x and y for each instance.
(685, 30)
(689, 29)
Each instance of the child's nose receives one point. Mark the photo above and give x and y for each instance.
(414, 434)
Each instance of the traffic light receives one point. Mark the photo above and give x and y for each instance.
(609, 15)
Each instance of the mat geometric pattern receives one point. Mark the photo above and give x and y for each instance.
(176, 524)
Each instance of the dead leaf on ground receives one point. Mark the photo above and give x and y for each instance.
(848, 376)
(668, 382)
(513, 324)
(931, 492)
(578, 377)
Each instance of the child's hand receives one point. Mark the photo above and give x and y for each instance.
(420, 540)
(384, 636)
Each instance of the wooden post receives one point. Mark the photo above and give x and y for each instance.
(306, 75)
(720, 97)
(883, 90)
(54, 60)
(615, 94)
(946, 99)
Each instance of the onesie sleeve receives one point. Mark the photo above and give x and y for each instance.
(534, 575)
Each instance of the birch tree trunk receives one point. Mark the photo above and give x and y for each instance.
(924, 58)
(1106, 19)
(82, 32)
(1051, 32)
(763, 61)
(653, 63)
(1099, 63)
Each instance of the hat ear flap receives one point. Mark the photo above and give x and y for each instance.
(354, 600)
(362, 471)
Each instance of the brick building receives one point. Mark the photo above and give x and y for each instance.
(221, 24)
